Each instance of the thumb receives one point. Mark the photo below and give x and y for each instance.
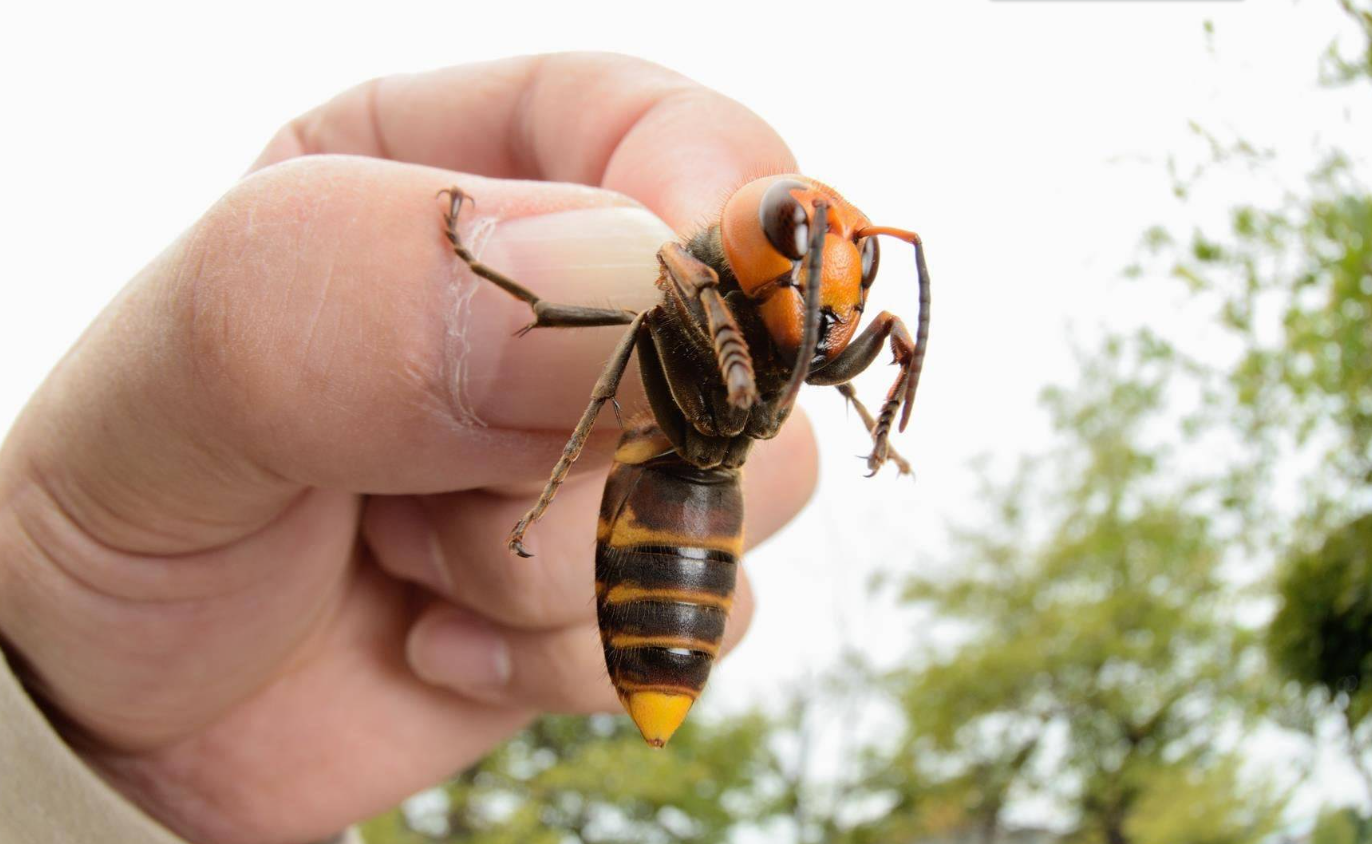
(314, 329)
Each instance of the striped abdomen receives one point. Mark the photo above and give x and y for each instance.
(667, 550)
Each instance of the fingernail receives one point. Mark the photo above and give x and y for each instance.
(611, 251)
(400, 527)
(460, 652)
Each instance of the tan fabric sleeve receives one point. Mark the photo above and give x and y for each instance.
(48, 795)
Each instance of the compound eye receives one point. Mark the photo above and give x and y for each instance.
(871, 259)
(784, 220)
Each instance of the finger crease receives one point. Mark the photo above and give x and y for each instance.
(666, 98)
(383, 149)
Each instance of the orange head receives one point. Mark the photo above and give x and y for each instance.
(765, 231)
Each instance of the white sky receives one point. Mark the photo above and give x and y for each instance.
(1025, 141)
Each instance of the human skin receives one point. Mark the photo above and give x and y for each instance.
(252, 526)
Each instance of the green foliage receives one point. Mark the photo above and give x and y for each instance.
(1341, 826)
(1093, 609)
(1341, 69)
(1322, 635)
(569, 780)
(1294, 286)
(1291, 282)
(1207, 805)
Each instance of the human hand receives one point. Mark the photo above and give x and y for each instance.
(252, 526)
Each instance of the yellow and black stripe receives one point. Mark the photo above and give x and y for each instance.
(667, 550)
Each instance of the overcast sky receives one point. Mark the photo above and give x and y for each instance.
(1026, 141)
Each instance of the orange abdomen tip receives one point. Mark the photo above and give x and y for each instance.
(657, 714)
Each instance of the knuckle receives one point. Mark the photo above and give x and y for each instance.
(243, 284)
(619, 66)
(232, 266)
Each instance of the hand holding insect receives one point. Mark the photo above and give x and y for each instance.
(269, 542)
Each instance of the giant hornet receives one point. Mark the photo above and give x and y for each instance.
(767, 298)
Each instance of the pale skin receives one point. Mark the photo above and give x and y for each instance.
(252, 527)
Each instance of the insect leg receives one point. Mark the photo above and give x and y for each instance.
(604, 391)
(850, 394)
(922, 327)
(692, 277)
(858, 356)
(546, 314)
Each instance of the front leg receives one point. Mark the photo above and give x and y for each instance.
(695, 279)
(847, 391)
(546, 314)
(857, 357)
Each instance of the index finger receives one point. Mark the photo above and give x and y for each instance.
(597, 119)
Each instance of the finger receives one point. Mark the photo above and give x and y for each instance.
(355, 698)
(313, 330)
(455, 545)
(561, 670)
(593, 118)
(308, 332)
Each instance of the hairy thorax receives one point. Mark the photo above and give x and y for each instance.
(687, 395)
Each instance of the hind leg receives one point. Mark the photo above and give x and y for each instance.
(604, 391)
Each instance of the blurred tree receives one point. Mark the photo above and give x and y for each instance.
(1322, 635)
(1096, 653)
(1206, 805)
(1291, 281)
(1341, 826)
(1341, 68)
(593, 780)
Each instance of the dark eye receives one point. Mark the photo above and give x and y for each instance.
(871, 259)
(784, 220)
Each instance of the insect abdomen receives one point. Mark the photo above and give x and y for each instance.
(667, 551)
